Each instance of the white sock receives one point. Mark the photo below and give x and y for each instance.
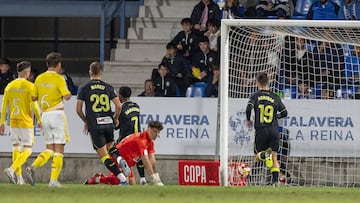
(122, 177)
(118, 159)
(142, 179)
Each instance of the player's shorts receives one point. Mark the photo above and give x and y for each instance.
(100, 137)
(55, 128)
(23, 136)
(267, 137)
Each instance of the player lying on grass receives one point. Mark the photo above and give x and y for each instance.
(135, 147)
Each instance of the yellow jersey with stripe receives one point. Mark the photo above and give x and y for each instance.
(17, 97)
(50, 87)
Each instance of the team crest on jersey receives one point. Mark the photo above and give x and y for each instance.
(211, 59)
(240, 133)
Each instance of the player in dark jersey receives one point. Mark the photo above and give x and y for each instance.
(130, 123)
(99, 119)
(266, 106)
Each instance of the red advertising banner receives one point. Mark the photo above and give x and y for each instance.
(197, 172)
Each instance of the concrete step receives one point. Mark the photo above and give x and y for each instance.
(140, 50)
(134, 43)
(152, 33)
(156, 22)
(171, 2)
(132, 74)
(165, 11)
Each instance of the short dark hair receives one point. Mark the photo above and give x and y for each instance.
(4, 61)
(22, 66)
(155, 124)
(163, 64)
(213, 22)
(148, 80)
(95, 68)
(186, 21)
(204, 39)
(53, 59)
(262, 78)
(171, 46)
(125, 91)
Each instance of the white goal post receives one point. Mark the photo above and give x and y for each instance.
(314, 67)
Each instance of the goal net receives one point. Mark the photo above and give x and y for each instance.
(314, 67)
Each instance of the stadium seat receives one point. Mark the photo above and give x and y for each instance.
(292, 90)
(348, 91)
(301, 9)
(197, 90)
(352, 67)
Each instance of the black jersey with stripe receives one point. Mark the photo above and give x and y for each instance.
(129, 119)
(266, 105)
(97, 96)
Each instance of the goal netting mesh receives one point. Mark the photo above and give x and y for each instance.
(313, 66)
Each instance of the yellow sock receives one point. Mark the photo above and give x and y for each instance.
(104, 158)
(272, 170)
(24, 155)
(15, 154)
(42, 158)
(56, 166)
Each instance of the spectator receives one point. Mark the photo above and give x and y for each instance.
(304, 92)
(233, 9)
(350, 10)
(323, 10)
(298, 62)
(280, 8)
(178, 68)
(204, 11)
(6, 76)
(69, 82)
(202, 61)
(250, 7)
(187, 40)
(326, 91)
(212, 88)
(304, 63)
(213, 34)
(148, 89)
(165, 85)
(352, 67)
(329, 63)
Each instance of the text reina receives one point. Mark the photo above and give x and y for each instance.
(331, 121)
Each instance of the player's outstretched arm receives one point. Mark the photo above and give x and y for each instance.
(155, 178)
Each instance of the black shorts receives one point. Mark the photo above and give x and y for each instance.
(101, 137)
(267, 137)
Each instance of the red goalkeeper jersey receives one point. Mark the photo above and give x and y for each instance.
(134, 146)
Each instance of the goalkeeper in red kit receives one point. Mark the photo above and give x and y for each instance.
(133, 148)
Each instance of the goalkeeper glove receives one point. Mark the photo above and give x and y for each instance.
(156, 179)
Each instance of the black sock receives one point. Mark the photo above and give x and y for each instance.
(275, 176)
(140, 168)
(112, 166)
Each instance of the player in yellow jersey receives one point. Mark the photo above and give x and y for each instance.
(50, 89)
(17, 98)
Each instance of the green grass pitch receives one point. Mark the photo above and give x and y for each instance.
(78, 193)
